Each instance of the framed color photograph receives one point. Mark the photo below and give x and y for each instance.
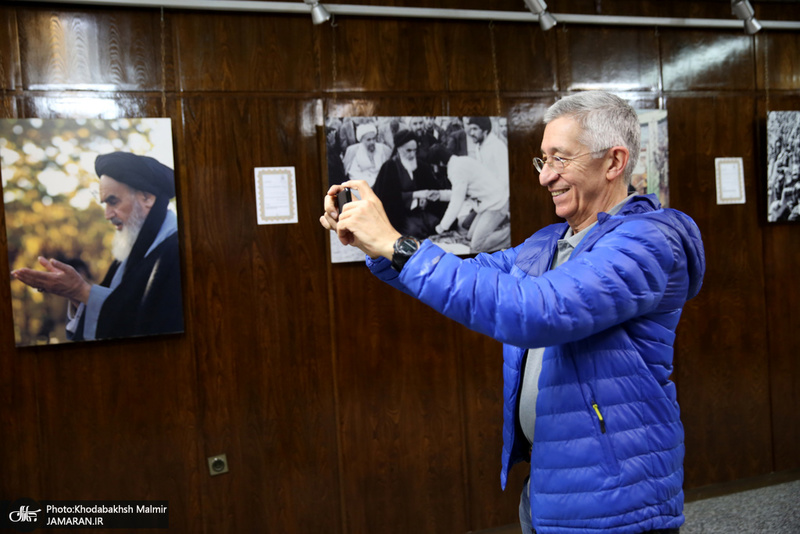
(92, 228)
(651, 174)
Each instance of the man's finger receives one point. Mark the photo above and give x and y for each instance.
(326, 222)
(363, 188)
(58, 266)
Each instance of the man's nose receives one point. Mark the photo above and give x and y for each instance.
(547, 175)
(108, 212)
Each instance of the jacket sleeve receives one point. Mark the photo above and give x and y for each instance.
(382, 268)
(624, 275)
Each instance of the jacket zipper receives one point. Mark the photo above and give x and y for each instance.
(600, 417)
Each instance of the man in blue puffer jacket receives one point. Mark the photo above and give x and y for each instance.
(587, 311)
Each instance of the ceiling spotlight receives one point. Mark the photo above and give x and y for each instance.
(744, 11)
(752, 26)
(546, 21)
(318, 12)
(539, 7)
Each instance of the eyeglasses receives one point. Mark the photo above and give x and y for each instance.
(557, 163)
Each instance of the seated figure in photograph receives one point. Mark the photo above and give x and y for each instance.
(587, 310)
(477, 189)
(141, 293)
(414, 199)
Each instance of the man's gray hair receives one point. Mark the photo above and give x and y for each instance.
(606, 120)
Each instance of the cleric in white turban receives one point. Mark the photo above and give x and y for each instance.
(363, 160)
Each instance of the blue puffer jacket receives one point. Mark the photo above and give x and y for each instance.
(608, 451)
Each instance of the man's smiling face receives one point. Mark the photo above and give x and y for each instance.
(581, 190)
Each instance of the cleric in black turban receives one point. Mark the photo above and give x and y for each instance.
(141, 293)
(139, 172)
(409, 190)
(142, 289)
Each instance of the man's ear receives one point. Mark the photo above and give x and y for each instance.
(619, 156)
(147, 199)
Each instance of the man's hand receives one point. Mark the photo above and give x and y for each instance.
(59, 279)
(362, 223)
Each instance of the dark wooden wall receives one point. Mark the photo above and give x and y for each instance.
(342, 406)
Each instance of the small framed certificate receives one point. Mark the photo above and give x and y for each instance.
(276, 195)
(730, 181)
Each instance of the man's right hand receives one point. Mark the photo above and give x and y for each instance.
(58, 278)
(362, 223)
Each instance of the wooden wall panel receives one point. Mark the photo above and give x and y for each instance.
(244, 52)
(778, 64)
(90, 49)
(9, 59)
(615, 59)
(260, 314)
(393, 55)
(722, 367)
(83, 104)
(703, 60)
(20, 390)
(402, 433)
(471, 66)
(782, 258)
(525, 57)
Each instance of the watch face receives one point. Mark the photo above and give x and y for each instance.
(407, 245)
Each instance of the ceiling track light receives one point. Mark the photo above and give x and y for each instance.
(318, 12)
(744, 11)
(539, 7)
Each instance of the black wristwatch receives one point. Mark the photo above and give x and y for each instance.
(404, 247)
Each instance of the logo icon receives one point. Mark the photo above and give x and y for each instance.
(24, 514)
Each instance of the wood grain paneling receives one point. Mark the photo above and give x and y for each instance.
(470, 65)
(244, 52)
(778, 65)
(342, 405)
(517, 45)
(80, 104)
(9, 59)
(20, 390)
(480, 361)
(260, 309)
(392, 55)
(722, 366)
(704, 60)
(782, 259)
(89, 49)
(383, 106)
(614, 59)
(119, 422)
(8, 107)
(402, 433)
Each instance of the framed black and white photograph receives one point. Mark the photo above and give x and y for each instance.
(440, 178)
(783, 166)
(92, 228)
